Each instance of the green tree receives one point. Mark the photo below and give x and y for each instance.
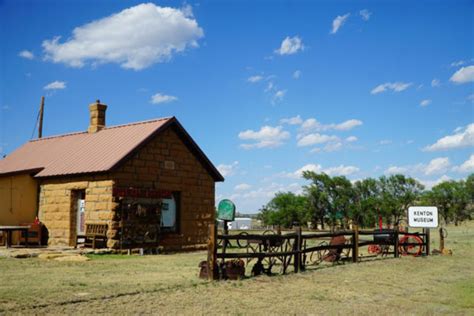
(331, 198)
(318, 195)
(453, 199)
(343, 200)
(285, 209)
(368, 202)
(397, 194)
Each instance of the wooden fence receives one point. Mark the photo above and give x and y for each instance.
(298, 249)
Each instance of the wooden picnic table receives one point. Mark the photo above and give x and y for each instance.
(10, 229)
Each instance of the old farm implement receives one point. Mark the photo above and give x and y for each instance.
(408, 243)
(274, 252)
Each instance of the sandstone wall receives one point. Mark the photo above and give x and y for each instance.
(56, 205)
(166, 163)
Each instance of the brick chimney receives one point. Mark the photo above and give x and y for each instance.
(97, 114)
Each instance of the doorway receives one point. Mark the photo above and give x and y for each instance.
(78, 215)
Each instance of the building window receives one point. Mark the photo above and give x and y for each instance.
(170, 214)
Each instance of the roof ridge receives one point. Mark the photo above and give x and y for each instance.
(108, 127)
(140, 122)
(56, 136)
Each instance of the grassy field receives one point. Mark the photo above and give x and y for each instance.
(169, 284)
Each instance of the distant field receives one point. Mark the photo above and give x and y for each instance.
(168, 284)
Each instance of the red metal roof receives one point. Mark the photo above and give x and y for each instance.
(83, 152)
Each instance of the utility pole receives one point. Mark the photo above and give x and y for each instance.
(40, 125)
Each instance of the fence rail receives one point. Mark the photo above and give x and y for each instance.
(298, 249)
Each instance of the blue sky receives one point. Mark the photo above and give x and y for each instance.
(267, 89)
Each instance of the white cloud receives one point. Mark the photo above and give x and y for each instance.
(458, 63)
(394, 86)
(270, 87)
(296, 120)
(435, 83)
(333, 147)
(135, 38)
(341, 170)
(309, 167)
(385, 142)
(268, 192)
(463, 75)
(431, 183)
(55, 85)
(228, 170)
(242, 187)
(347, 125)
(254, 79)
(425, 102)
(312, 124)
(365, 14)
(162, 98)
(314, 139)
(395, 170)
(290, 45)
(463, 138)
(437, 166)
(467, 166)
(297, 74)
(278, 96)
(351, 139)
(338, 22)
(267, 136)
(26, 54)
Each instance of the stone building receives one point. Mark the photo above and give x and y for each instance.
(148, 182)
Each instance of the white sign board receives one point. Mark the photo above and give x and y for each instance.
(423, 216)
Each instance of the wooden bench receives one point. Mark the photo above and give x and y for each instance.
(96, 236)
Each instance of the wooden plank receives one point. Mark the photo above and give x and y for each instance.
(256, 237)
(355, 244)
(242, 255)
(396, 244)
(427, 241)
(212, 252)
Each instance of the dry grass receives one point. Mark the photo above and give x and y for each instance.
(168, 284)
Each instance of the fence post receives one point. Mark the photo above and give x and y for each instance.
(298, 239)
(395, 237)
(355, 243)
(427, 241)
(441, 240)
(212, 252)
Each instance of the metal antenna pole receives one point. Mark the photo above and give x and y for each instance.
(40, 125)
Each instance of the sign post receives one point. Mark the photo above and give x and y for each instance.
(425, 217)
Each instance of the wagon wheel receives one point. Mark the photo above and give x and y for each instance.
(269, 262)
(243, 243)
(316, 257)
(413, 250)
